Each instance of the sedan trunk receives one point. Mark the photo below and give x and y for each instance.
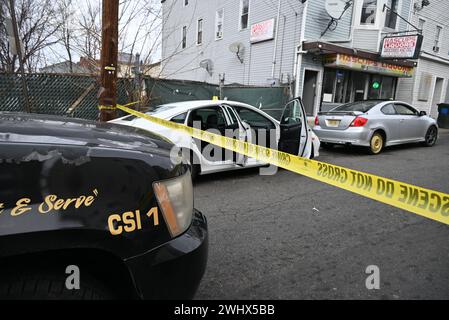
(337, 120)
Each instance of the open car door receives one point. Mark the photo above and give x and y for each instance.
(294, 134)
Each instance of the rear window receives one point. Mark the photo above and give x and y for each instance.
(153, 111)
(361, 106)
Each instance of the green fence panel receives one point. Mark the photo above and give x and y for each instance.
(269, 99)
(162, 91)
(77, 95)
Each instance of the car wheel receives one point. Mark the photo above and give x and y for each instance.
(51, 286)
(431, 136)
(377, 143)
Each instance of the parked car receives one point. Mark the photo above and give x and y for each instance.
(375, 124)
(292, 134)
(101, 201)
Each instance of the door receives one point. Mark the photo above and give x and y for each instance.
(294, 134)
(411, 125)
(436, 97)
(309, 91)
(392, 123)
(212, 119)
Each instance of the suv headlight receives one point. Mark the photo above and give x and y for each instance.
(175, 197)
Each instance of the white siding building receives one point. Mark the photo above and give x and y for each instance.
(430, 85)
(220, 24)
(327, 61)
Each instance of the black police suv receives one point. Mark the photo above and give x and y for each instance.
(95, 211)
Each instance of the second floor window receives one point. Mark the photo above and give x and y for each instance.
(391, 18)
(244, 14)
(369, 10)
(436, 47)
(421, 23)
(219, 15)
(184, 37)
(199, 32)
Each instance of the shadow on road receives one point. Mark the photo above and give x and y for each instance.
(363, 151)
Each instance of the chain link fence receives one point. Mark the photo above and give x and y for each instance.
(76, 95)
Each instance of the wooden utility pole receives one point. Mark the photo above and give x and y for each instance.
(18, 45)
(109, 55)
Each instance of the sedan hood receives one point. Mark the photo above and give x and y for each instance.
(44, 129)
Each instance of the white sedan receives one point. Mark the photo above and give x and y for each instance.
(292, 134)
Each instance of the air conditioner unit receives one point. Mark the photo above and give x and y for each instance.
(436, 49)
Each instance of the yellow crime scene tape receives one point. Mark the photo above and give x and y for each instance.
(424, 202)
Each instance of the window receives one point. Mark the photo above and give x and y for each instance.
(185, 3)
(210, 118)
(392, 17)
(232, 114)
(184, 37)
(336, 86)
(292, 113)
(199, 32)
(402, 109)
(244, 13)
(424, 86)
(180, 118)
(360, 106)
(447, 92)
(254, 119)
(436, 48)
(421, 23)
(219, 18)
(328, 85)
(388, 88)
(389, 110)
(369, 10)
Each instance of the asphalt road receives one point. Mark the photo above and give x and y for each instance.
(289, 237)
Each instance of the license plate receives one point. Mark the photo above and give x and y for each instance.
(333, 123)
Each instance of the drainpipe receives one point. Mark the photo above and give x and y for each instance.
(276, 40)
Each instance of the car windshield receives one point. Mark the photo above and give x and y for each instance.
(154, 111)
(361, 106)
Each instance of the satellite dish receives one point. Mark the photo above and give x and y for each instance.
(208, 65)
(335, 8)
(239, 49)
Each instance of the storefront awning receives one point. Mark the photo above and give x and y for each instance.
(335, 56)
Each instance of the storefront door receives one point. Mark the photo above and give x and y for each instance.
(309, 91)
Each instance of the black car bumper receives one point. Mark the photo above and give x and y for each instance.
(174, 270)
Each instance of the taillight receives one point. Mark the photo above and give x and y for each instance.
(317, 121)
(359, 122)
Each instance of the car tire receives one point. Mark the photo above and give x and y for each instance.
(431, 136)
(51, 286)
(377, 143)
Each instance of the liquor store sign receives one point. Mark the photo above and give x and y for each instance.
(401, 47)
(350, 62)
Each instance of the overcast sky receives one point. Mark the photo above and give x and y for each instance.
(143, 30)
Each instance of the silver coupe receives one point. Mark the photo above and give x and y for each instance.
(375, 124)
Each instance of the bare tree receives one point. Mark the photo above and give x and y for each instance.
(37, 22)
(67, 30)
(87, 44)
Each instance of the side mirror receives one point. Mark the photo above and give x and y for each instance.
(422, 114)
